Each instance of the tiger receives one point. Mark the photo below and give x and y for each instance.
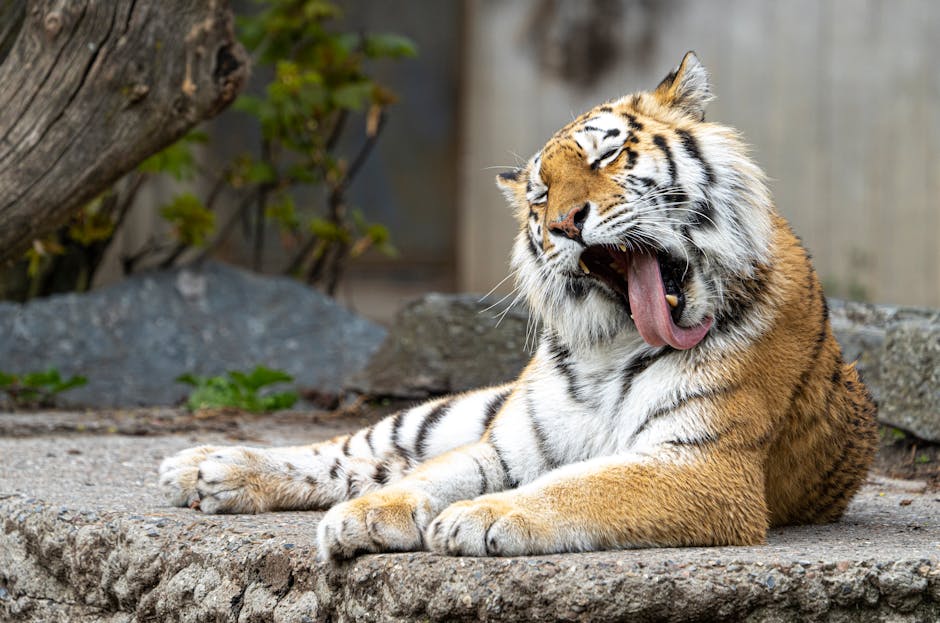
(686, 388)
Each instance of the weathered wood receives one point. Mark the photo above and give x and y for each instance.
(89, 88)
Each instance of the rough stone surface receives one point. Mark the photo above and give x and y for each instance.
(447, 343)
(133, 339)
(86, 536)
(898, 353)
(444, 343)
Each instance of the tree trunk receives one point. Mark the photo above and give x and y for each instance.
(89, 88)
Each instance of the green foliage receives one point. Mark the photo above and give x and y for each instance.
(37, 389)
(893, 435)
(177, 160)
(239, 390)
(192, 222)
(319, 80)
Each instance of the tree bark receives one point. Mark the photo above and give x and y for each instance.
(90, 88)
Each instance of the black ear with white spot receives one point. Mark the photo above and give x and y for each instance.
(686, 87)
(511, 183)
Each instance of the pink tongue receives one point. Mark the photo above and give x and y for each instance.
(650, 310)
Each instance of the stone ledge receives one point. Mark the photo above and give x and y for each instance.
(86, 536)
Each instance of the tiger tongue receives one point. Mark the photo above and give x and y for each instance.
(650, 310)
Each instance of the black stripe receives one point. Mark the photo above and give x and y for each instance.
(801, 385)
(533, 248)
(430, 420)
(691, 147)
(510, 176)
(334, 469)
(742, 295)
(660, 141)
(396, 425)
(577, 288)
(700, 441)
(381, 474)
(483, 479)
(507, 475)
(706, 394)
(702, 214)
(541, 441)
(636, 367)
(493, 408)
(645, 182)
(611, 133)
(369, 439)
(559, 358)
(346, 444)
(634, 124)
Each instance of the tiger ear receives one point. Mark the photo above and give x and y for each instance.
(686, 87)
(511, 183)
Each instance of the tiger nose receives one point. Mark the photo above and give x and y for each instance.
(572, 223)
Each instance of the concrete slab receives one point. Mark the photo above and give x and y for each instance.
(88, 537)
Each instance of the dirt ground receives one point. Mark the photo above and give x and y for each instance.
(906, 457)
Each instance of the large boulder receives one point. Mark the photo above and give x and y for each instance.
(898, 353)
(442, 344)
(133, 339)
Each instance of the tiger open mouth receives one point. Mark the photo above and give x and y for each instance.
(650, 285)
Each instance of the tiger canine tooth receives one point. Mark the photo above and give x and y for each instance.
(584, 267)
(672, 299)
(622, 247)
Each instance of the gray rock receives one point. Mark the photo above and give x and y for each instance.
(441, 344)
(133, 339)
(898, 353)
(447, 343)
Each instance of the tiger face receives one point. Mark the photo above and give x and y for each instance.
(640, 217)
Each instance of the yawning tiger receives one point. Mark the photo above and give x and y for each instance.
(686, 388)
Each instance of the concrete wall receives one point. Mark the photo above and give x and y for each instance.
(839, 98)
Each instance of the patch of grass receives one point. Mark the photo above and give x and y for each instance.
(37, 389)
(239, 390)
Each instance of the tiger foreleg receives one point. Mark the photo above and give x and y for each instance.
(240, 479)
(611, 503)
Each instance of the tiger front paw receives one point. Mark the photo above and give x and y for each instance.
(492, 525)
(386, 520)
(214, 480)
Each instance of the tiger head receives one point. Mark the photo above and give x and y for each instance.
(639, 216)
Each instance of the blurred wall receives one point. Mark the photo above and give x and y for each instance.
(839, 98)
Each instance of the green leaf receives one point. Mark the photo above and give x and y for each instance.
(189, 379)
(176, 160)
(352, 96)
(327, 230)
(262, 376)
(261, 173)
(48, 377)
(192, 222)
(75, 381)
(238, 390)
(7, 380)
(389, 45)
(277, 402)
